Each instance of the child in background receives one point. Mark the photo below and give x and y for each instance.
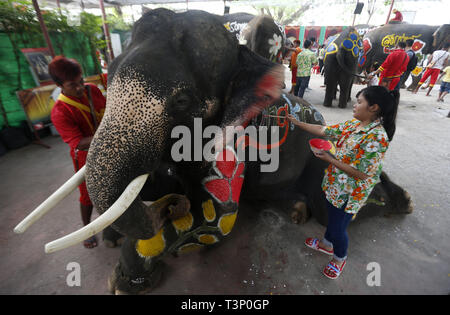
(373, 81)
(445, 84)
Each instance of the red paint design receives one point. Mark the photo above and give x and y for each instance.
(246, 141)
(228, 184)
(418, 45)
(267, 82)
(367, 45)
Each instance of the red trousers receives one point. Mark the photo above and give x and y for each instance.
(294, 75)
(433, 72)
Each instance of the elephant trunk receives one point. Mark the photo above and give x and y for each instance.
(351, 70)
(128, 143)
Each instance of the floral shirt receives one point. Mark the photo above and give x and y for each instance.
(362, 148)
(305, 59)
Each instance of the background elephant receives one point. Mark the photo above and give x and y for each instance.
(380, 41)
(158, 86)
(340, 62)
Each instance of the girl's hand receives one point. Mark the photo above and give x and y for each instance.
(323, 155)
(292, 119)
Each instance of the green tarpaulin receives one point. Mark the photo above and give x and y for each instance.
(16, 76)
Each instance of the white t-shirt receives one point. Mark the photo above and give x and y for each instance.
(373, 81)
(439, 56)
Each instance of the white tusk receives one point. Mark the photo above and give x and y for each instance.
(107, 218)
(51, 201)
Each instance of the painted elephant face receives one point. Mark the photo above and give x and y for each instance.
(348, 48)
(170, 74)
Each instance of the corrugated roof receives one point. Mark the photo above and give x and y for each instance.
(108, 3)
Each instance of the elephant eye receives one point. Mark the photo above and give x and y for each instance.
(181, 102)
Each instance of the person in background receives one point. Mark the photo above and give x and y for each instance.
(351, 176)
(437, 61)
(411, 64)
(321, 57)
(393, 67)
(445, 84)
(398, 16)
(374, 80)
(293, 64)
(305, 61)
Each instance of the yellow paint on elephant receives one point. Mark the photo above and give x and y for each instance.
(392, 40)
(208, 210)
(190, 247)
(207, 239)
(331, 49)
(226, 223)
(183, 224)
(151, 247)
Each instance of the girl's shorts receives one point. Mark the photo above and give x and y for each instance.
(445, 87)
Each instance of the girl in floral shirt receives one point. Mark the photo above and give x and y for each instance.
(352, 174)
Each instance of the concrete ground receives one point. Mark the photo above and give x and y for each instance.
(264, 254)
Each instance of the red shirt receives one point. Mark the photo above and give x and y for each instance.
(294, 57)
(398, 16)
(395, 64)
(72, 124)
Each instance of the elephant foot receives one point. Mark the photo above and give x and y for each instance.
(405, 199)
(120, 284)
(326, 105)
(112, 238)
(112, 243)
(299, 214)
(342, 105)
(171, 206)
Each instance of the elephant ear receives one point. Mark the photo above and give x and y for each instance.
(264, 37)
(255, 85)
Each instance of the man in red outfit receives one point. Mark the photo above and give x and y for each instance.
(398, 15)
(393, 67)
(75, 121)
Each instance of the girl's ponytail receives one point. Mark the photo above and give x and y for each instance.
(387, 102)
(388, 115)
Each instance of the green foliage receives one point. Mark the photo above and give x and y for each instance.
(56, 22)
(91, 27)
(20, 28)
(116, 22)
(18, 17)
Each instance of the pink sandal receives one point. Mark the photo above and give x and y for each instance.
(313, 243)
(332, 270)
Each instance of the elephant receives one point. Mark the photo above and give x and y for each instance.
(379, 42)
(340, 64)
(261, 34)
(160, 92)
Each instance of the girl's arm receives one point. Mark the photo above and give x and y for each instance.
(349, 170)
(317, 130)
